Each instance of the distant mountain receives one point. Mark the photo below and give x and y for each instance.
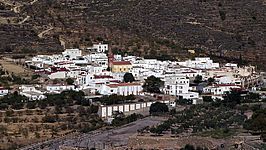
(161, 28)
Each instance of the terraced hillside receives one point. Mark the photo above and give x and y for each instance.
(219, 27)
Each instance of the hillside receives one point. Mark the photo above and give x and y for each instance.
(152, 28)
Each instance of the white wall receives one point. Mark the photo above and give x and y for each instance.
(72, 53)
(58, 75)
(107, 111)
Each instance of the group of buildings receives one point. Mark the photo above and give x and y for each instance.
(99, 71)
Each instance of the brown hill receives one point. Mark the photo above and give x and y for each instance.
(147, 27)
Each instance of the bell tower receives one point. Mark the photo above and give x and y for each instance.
(110, 57)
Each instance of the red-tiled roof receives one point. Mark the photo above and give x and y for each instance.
(117, 81)
(123, 84)
(189, 72)
(2, 88)
(219, 76)
(121, 63)
(64, 62)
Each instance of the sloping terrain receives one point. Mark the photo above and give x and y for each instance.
(219, 27)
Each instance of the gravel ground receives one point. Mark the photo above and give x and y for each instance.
(108, 139)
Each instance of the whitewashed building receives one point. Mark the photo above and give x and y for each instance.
(31, 92)
(72, 53)
(121, 89)
(178, 85)
(100, 48)
(98, 58)
(59, 88)
(200, 63)
(219, 89)
(3, 91)
(58, 75)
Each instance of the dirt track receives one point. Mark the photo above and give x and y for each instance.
(110, 139)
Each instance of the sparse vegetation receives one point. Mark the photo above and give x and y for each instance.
(218, 122)
(121, 119)
(130, 32)
(55, 116)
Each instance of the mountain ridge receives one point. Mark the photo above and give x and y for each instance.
(220, 28)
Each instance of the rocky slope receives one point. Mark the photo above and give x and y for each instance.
(170, 27)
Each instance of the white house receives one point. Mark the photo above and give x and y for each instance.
(91, 79)
(224, 79)
(231, 65)
(72, 53)
(118, 57)
(31, 92)
(74, 73)
(59, 88)
(3, 91)
(130, 58)
(80, 61)
(220, 89)
(200, 63)
(100, 48)
(178, 85)
(98, 58)
(58, 75)
(94, 69)
(33, 95)
(121, 89)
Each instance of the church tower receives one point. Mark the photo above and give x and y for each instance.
(110, 57)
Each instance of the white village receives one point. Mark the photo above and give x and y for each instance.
(98, 72)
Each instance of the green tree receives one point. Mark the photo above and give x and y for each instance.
(121, 119)
(35, 76)
(183, 101)
(158, 108)
(69, 81)
(31, 105)
(128, 77)
(3, 106)
(207, 99)
(50, 119)
(257, 121)
(232, 98)
(153, 84)
(222, 15)
(198, 79)
(211, 81)
(188, 147)
(156, 131)
(37, 135)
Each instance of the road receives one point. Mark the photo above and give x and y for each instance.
(25, 19)
(40, 35)
(108, 139)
